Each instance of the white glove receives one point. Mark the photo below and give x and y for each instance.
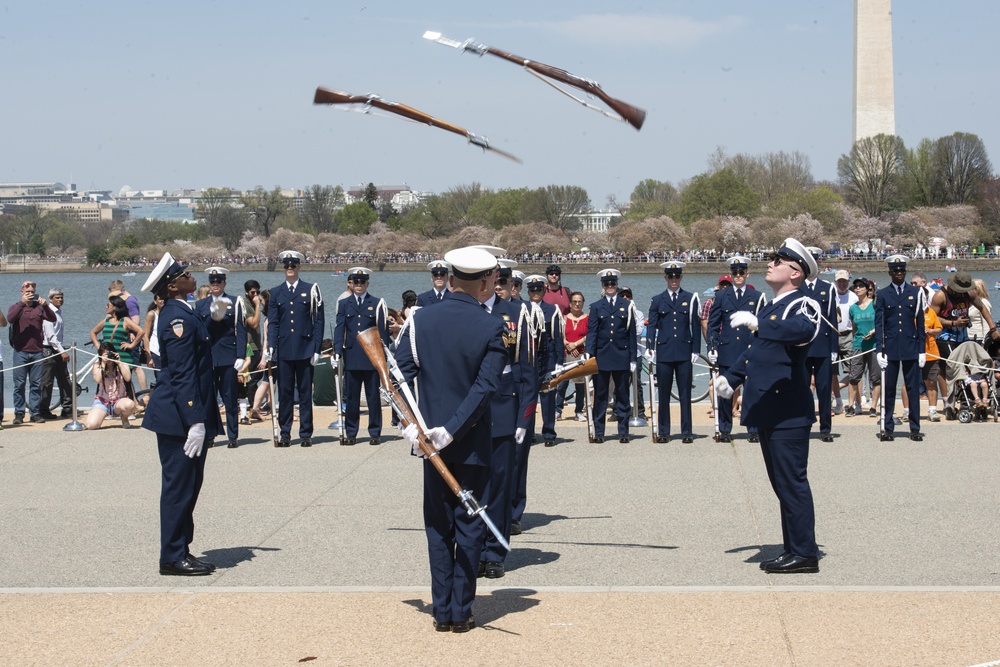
(722, 388)
(833, 357)
(440, 437)
(882, 360)
(195, 440)
(694, 357)
(650, 356)
(742, 318)
(335, 360)
(268, 354)
(519, 435)
(921, 359)
(218, 308)
(713, 356)
(631, 367)
(238, 365)
(315, 359)
(410, 433)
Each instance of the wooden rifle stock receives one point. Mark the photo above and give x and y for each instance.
(634, 116)
(327, 96)
(371, 343)
(589, 367)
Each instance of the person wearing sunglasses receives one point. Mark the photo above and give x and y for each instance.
(673, 341)
(725, 342)
(777, 399)
(611, 339)
(295, 322)
(182, 412)
(439, 284)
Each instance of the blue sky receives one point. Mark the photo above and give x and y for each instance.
(209, 94)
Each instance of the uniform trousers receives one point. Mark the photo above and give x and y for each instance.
(56, 371)
(226, 382)
(353, 383)
(547, 405)
(912, 379)
(786, 457)
(519, 496)
(295, 376)
(454, 540)
(181, 484)
(821, 368)
(666, 371)
(498, 494)
(602, 380)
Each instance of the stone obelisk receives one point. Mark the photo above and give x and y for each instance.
(874, 108)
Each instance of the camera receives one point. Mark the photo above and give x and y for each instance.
(34, 298)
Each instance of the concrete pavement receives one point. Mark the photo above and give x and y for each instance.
(632, 554)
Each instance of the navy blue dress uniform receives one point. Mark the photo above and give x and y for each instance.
(673, 334)
(221, 324)
(512, 410)
(458, 370)
(778, 402)
(356, 313)
(611, 339)
(439, 272)
(184, 397)
(899, 336)
(729, 342)
(824, 347)
(295, 321)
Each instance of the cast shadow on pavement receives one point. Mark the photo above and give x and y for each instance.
(764, 552)
(490, 607)
(529, 520)
(233, 556)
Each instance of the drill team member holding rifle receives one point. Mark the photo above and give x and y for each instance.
(458, 372)
(777, 400)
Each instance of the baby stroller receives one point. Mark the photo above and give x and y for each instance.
(970, 364)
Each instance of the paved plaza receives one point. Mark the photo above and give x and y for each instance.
(633, 554)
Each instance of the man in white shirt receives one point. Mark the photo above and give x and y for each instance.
(55, 368)
(845, 299)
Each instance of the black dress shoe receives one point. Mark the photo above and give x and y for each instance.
(726, 437)
(515, 527)
(188, 567)
(209, 444)
(550, 442)
(494, 570)
(753, 437)
(792, 565)
(826, 437)
(482, 570)
(442, 626)
(887, 437)
(284, 442)
(663, 438)
(349, 441)
(623, 439)
(687, 439)
(201, 562)
(774, 561)
(375, 441)
(233, 444)
(66, 414)
(307, 442)
(48, 416)
(916, 436)
(463, 626)
(597, 438)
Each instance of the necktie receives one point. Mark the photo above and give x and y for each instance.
(440, 296)
(673, 298)
(739, 294)
(485, 307)
(359, 301)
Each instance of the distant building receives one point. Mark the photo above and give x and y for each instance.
(598, 222)
(874, 101)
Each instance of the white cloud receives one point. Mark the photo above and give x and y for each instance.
(665, 30)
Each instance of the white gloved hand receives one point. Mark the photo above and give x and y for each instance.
(335, 361)
(268, 354)
(411, 433)
(650, 356)
(238, 365)
(195, 440)
(314, 359)
(694, 357)
(722, 388)
(439, 437)
(219, 308)
(519, 435)
(713, 356)
(833, 357)
(743, 319)
(921, 359)
(882, 360)
(631, 367)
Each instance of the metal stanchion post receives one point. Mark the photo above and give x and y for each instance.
(74, 425)
(636, 419)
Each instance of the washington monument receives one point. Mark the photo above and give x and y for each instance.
(874, 108)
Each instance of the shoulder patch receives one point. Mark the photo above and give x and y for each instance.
(177, 326)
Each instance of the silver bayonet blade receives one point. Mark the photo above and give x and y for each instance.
(436, 37)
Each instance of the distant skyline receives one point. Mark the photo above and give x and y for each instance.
(202, 95)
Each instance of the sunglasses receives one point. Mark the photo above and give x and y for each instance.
(439, 274)
(502, 281)
(186, 274)
(897, 269)
(613, 283)
(554, 273)
(739, 272)
(538, 288)
(290, 265)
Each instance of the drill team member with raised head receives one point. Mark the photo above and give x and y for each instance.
(356, 313)
(725, 342)
(777, 400)
(183, 412)
(673, 341)
(611, 339)
(218, 312)
(899, 341)
(439, 284)
(512, 408)
(295, 321)
(825, 347)
(458, 370)
(547, 333)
